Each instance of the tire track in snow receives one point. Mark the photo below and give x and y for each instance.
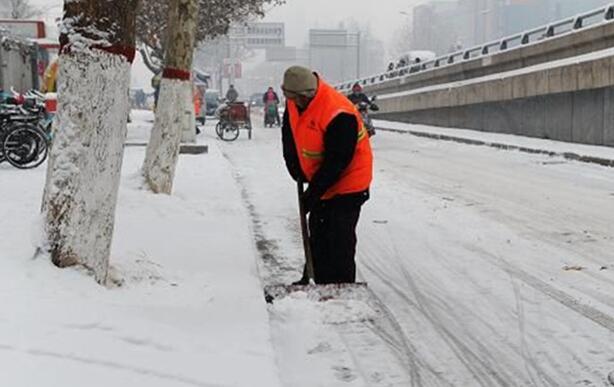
(563, 298)
(479, 369)
(603, 319)
(469, 350)
(527, 359)
(399, 341)
(485, 373)
(390, 282)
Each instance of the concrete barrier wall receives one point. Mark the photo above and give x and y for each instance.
(585, 116)
(592, 71)
(568, 100)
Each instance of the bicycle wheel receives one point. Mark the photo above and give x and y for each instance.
(218, 129)
(25, 147)
(229, 132)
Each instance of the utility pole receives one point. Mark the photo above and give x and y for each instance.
(231, 73)
(358, 55)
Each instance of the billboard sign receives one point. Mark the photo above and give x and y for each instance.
(232, 70)
(33, 29)
(259, 35)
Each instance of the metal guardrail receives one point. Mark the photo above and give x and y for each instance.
(589, 19)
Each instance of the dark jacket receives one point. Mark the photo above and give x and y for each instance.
(232, 94)
(356, 98)
(339, 143)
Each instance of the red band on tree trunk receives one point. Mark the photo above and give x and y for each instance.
(127, 52)
(170, 73)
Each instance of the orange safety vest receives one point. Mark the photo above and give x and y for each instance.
(196, 100)
(309, 128)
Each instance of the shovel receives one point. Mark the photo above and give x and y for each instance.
(314, 292)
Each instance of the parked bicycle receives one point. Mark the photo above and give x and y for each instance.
(25, 129)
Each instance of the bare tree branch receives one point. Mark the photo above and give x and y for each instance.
(214, 19)
(19, 9)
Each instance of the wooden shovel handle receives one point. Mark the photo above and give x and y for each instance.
(305, 232)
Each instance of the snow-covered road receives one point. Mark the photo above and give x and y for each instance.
(498, 266)
(485, 268)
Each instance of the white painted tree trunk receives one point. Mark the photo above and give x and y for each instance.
(172, 116)
(85, 159)
(175, 112)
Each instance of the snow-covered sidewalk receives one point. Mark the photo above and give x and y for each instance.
(588, 153)
(189, 311)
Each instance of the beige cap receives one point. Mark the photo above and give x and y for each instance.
(300, 80)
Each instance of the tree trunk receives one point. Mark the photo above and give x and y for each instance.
(175, 111)
(86, 157)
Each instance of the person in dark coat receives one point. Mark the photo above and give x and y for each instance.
(357, 96)
(232, 94)
(335, 158)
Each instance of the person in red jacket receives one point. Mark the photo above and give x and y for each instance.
(271, 101)
(326, 145)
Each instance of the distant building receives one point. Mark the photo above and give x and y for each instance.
(440, 25)
(436, 26)
(335, 53)
(518, 15)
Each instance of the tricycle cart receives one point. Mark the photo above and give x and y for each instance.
(235, 116)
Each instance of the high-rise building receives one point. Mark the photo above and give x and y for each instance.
(444, 24)
(436, 26)
(521, 15)
(335, 53)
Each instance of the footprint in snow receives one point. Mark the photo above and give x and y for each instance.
(320, 348)
(344, 374)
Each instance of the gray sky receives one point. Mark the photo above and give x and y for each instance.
(53, 7)
(300, 15)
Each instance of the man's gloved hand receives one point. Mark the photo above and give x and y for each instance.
(309, 200)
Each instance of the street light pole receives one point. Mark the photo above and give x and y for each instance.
(358, 55)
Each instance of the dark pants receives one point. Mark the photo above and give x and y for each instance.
(156, 96)
(332, 228)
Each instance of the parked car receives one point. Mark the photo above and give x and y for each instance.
(212, 101)
(256, 100)
(413, 57)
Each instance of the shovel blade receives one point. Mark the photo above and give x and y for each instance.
(346, 291)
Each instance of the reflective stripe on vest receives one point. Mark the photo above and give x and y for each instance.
(309, 128)
(312, 155)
